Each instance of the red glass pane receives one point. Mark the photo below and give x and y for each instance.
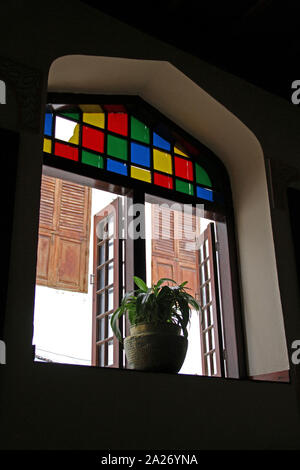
(187, 148)
(66, 151)
(92, 139)
(184, 168)
(163, 180)
(117, 122)
(114, 108)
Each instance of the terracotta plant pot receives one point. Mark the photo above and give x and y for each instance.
(156, 348)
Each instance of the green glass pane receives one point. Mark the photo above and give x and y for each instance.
(202, 177)
(70, 115)
(117, 147)
(184, 187)
(93, 159)
(139, 131)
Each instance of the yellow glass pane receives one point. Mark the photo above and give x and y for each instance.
(179, 152)
(47, 145)
(162, 161)
(140, 174)
(93, 114)
(75, 137)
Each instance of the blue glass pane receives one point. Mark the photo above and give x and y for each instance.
(116, 167)
(48, 124)
(140, 154)
(160, 142)
(205, 193)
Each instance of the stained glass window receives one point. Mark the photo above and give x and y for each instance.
(111, 138)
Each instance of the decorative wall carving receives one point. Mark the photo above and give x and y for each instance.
(26, 82)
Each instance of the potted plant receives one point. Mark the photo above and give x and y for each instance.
(158, 318)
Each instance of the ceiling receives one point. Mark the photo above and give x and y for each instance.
(257, 40)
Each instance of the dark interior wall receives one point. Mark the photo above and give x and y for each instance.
(74, 407)
(56, 406)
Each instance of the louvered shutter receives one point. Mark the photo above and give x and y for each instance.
(173, 250)
(187, 256)
(64, 229)
(163, 244)
(45, 260)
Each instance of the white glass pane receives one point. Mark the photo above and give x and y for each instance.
(208, 365)
(205, 319)
(110, 359)
(211, 318)
(101, 254)
(110, 226)
(204, 295)
(101, 331)
(100, 229)
(101, 279)
(201, 253)
(207, 348)
(110, 299)
(208, 270)
(214, 363)
(101, 304)
(57, 106)
(64, 129)
(212, 339)
(206, 248)
(110, 331)
(110, 249)
(101, 355)
(110, 273)
(203, 273)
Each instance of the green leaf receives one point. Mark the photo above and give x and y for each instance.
(114, 323)
(163, 279)
(156, 304)
(183, 283)
(140, 283)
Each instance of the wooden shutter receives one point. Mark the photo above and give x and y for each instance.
(64, 230)
(187, 255)
(106, 351)
(163, 244)
(172, 252)
(210, 327)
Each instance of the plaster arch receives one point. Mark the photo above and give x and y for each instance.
(184, 102)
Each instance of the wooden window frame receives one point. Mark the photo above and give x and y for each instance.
(221, 214)
(117, 281)
(214, 329)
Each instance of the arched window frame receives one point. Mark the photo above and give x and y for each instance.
(220, 210)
